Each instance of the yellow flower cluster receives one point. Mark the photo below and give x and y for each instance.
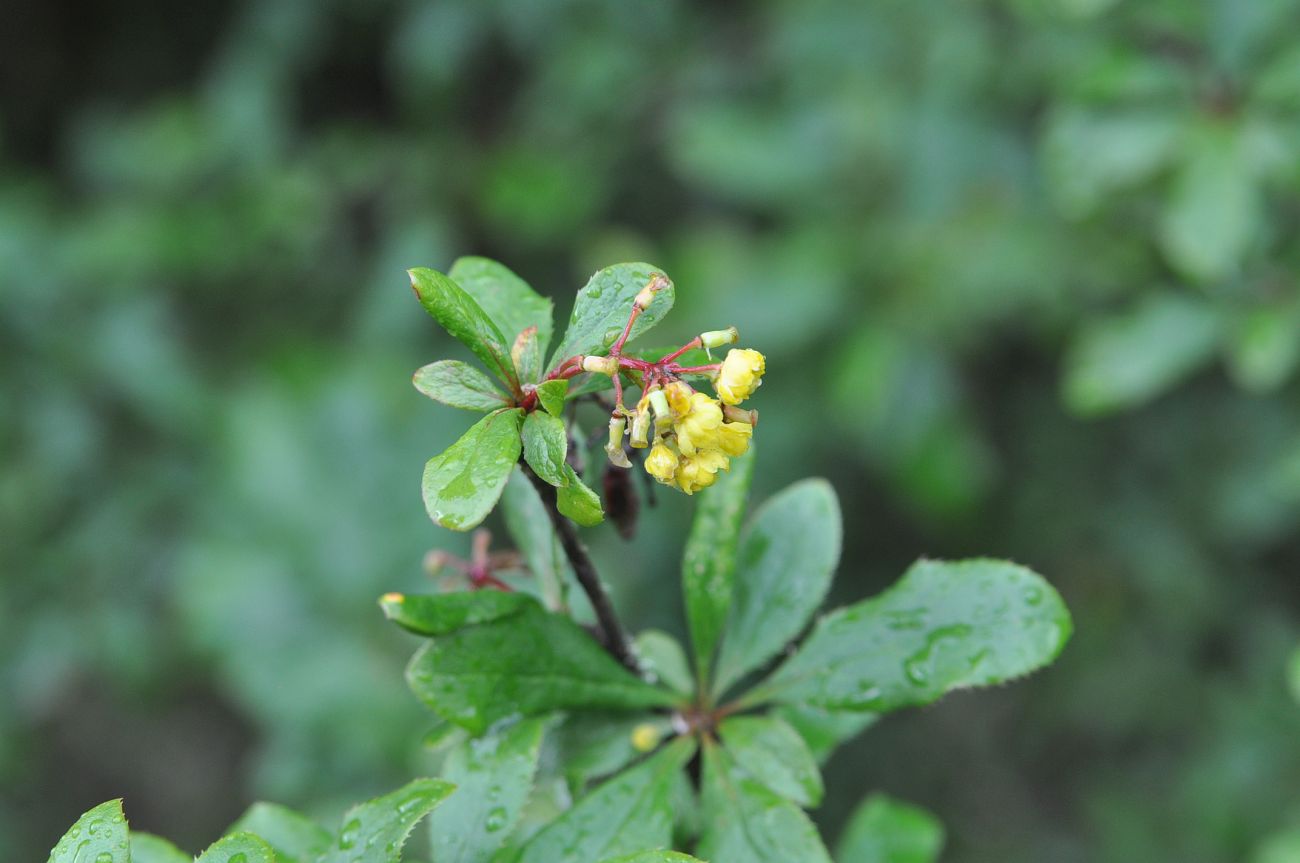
(694, 440)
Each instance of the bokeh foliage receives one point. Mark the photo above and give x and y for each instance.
(1023, 270)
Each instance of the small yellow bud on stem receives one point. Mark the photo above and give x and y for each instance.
(718, 338)
(601, 365)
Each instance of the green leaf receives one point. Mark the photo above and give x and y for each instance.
(439, 614)
(511, 304)
(546, 444)
(147, 848)
(98, 836)
(239, 848)
(773, 753)
(577, 502)
(1293, 675)
(629, 812)
(1124, 360)
(602, 307)
(493, 776)
(552, 394)
(824, 730)
(1265, 347)
(1282, 847)
(595, 744)
(528, 664)
(662, 656)
(293, 836)
(709, 562)
(744, 822)
(1088, 156)
(463, 483)
(787, 557)
(943, 626)
(882, 830)
(656, 857)
(464, 320)
(375, 831)
(459, 385)
(530, 527)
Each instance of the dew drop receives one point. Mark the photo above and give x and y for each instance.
(348, 835)
(496, 819)
(103, 857)
(238, 857)
(1033, 595)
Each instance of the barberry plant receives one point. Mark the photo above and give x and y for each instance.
(563, 739)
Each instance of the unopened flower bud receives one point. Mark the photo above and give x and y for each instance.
(647, 294)
(601, 365)
(718, 338)
(641, 429)
(614, 449)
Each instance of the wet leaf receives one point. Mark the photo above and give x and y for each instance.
(578, 502)
(546, 444)
(662, 656)
(439, 614)
(655, 857)
(824, 730)
(375, 831)
(459, 385)
(629, 812)
(709, 562)
(526, 665)
(552, 394)
(238, 848)
(787, 557)
(744, 822)
(463, 483)
(100, 835)
(507, 299)
(883, 830)
(465, 321)
(293, 836)
(493, 776)
(601, 310)
(772, 752)
(943, 626)
(147, 848)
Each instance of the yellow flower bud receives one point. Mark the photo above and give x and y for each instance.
(718, 338)
(678, 396)
(600, 365)
(733, 438)
(662, 463)
(698, 428)
(741, 374)
(701, 471)
(645, 737)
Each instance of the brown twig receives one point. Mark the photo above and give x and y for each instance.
(611, 630)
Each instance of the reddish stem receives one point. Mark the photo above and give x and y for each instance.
(691, 345)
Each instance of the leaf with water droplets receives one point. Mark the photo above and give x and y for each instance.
(293, 836)
(238, 848)
(511, 304)
(546, 443)
(148, 848)
(441, 613)
(465, 320)
(709, 562)
(787, 557)
(459, 385)
(772, 752)
(595, 744)
(528, 664)
(601, 309)
(100, 836)
(462, 484)
(943, 626)
(576, 501)
(663, 658)
(656, 857)
(745, 822)
(632, 811)
(375, 831)
(552, 395)
(493, 776)
(824, 730)
(883, 830)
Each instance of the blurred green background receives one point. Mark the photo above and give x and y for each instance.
(1024, 271)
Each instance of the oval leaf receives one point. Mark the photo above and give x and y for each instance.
(459, 385)
(465, 321)
(147, 848)
(375, 831)
(578, 502)
(552, 394)
(662, 656)
(526, 665)
(601, 309)
(772, 752)
(239, 848)
(463, 483)
(883, 830)
(100, 835)
(629, 812)
(509, 301)
(293, 836)
(546, 444)
(439, 614)
(786, 560)
(493, 777)
(943, 626)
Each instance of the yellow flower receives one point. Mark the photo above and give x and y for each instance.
(662, 463)
(697, 429)
(741, 374)
(701, 471)
(733, 438)
(678, 395)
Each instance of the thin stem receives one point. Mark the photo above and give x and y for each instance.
(611, 630)
(692, 344)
